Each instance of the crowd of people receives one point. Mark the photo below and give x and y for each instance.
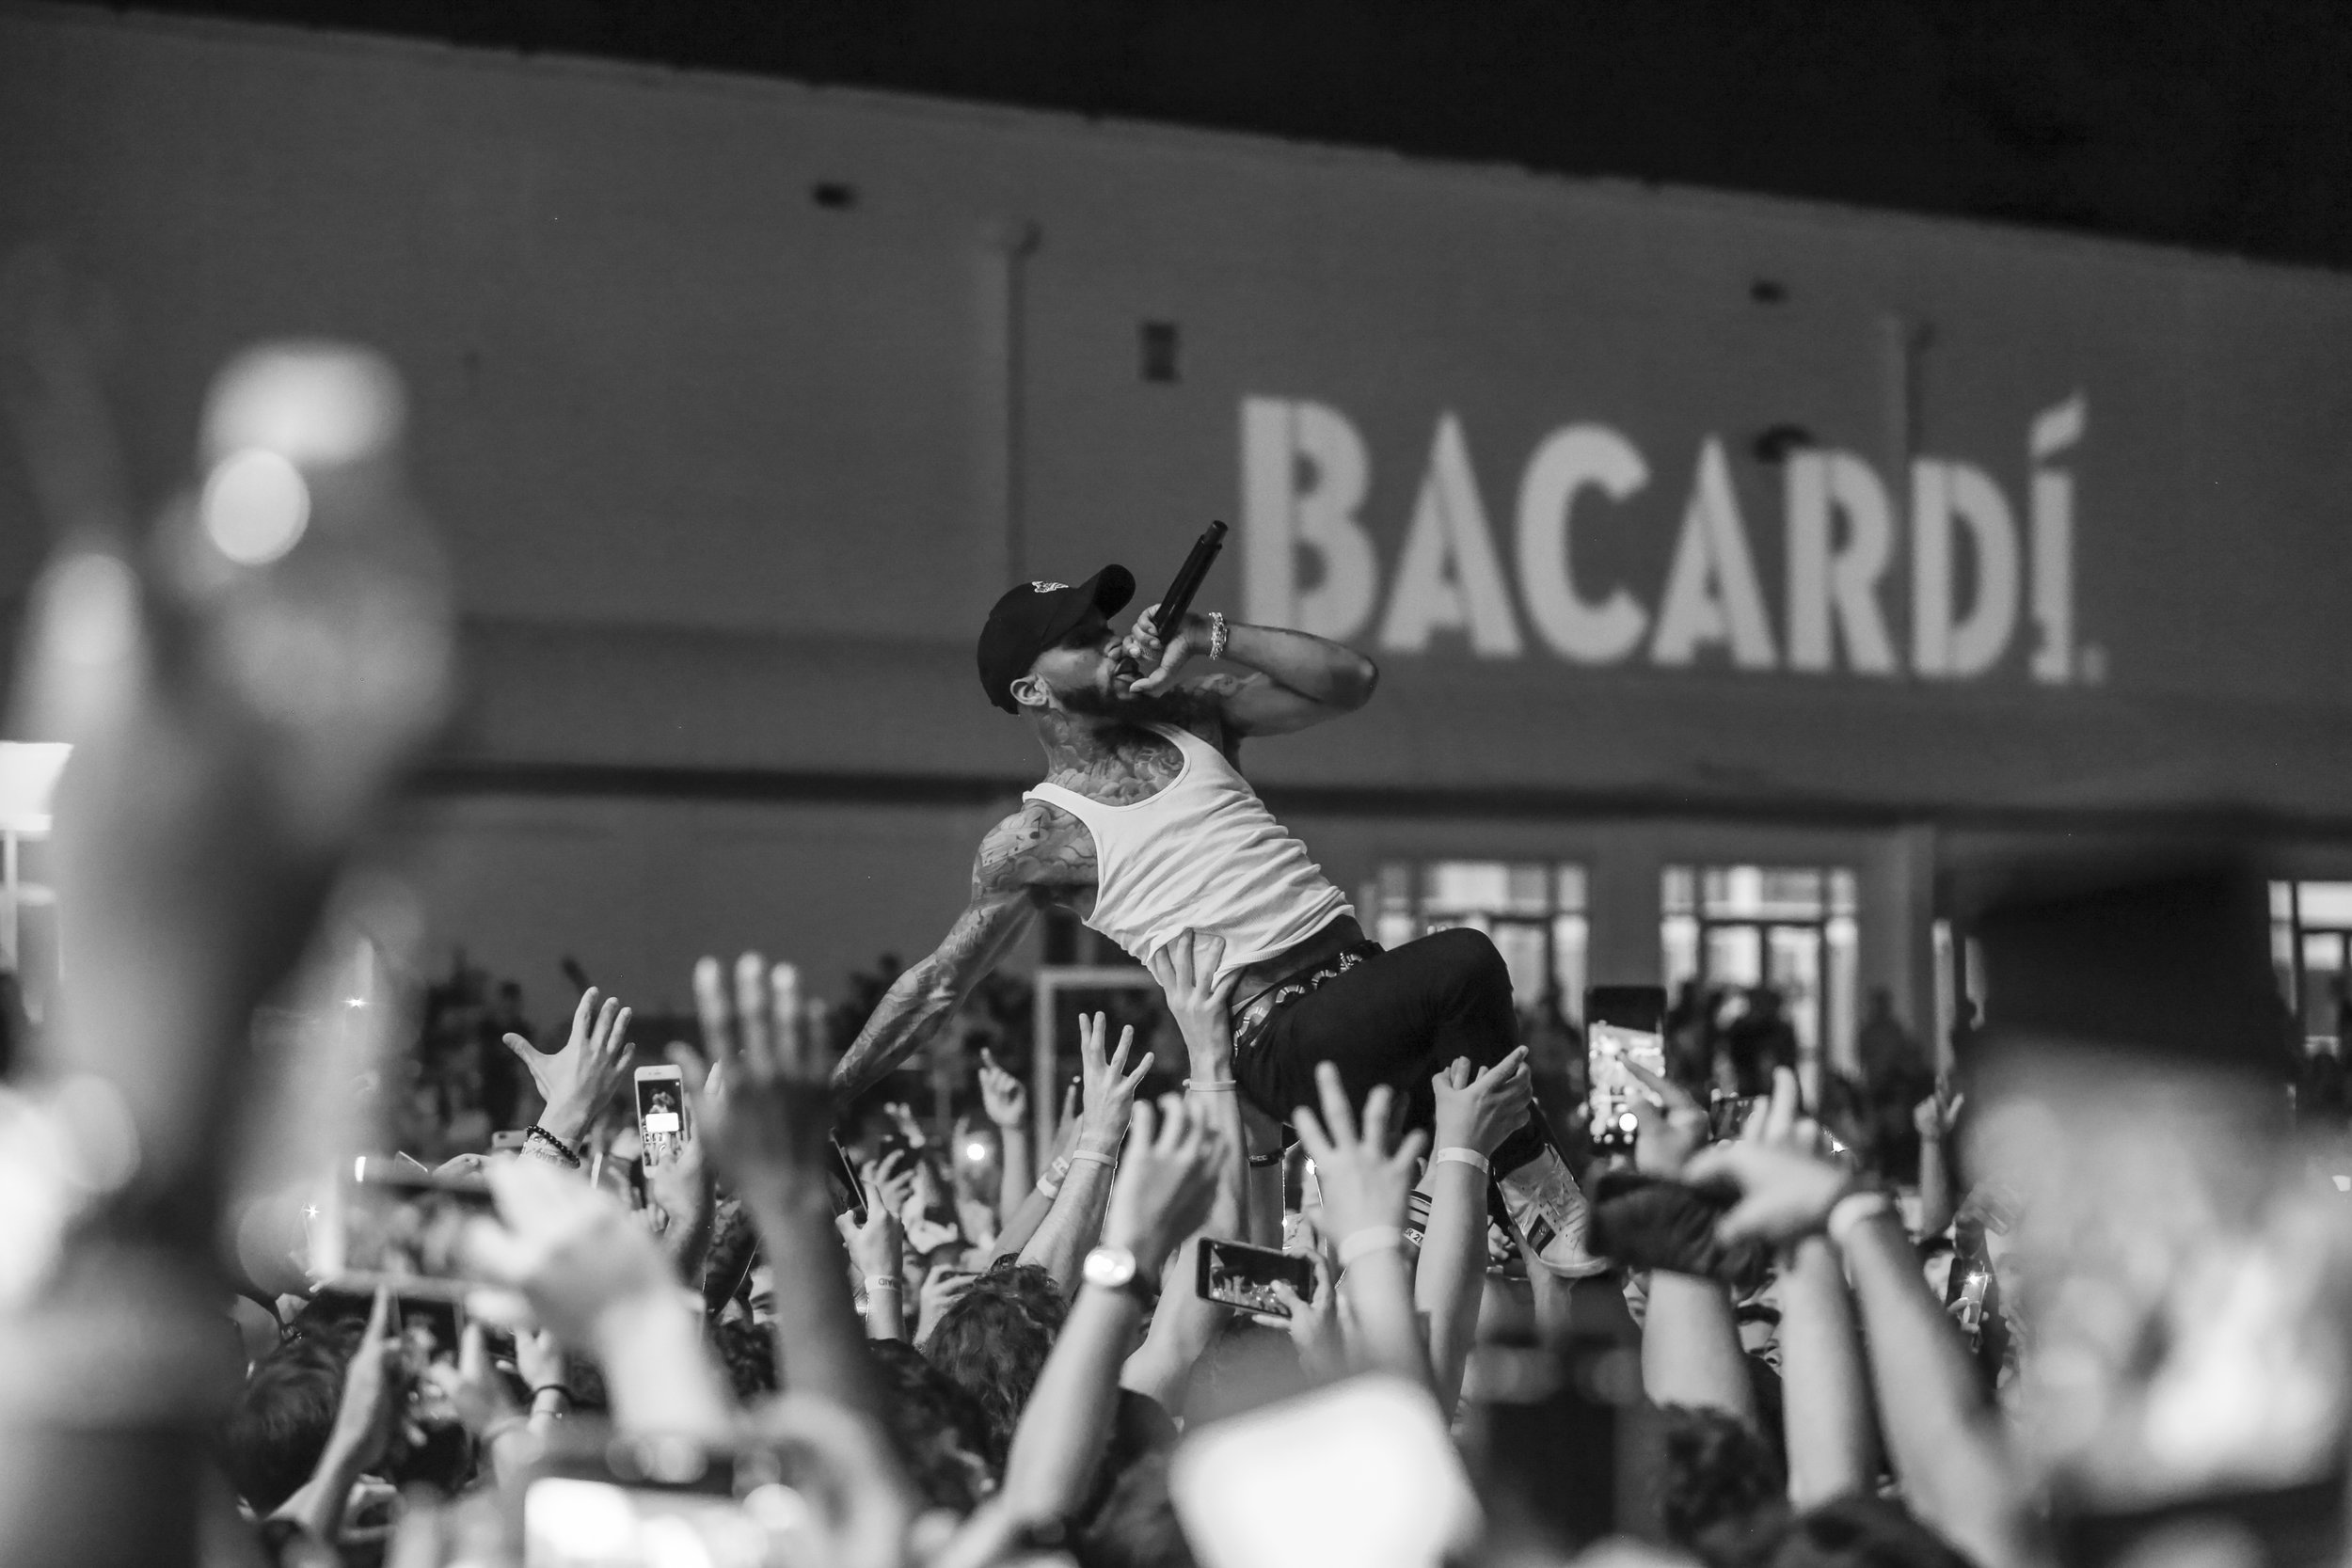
(798, 1336)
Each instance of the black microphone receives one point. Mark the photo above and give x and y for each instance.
(1178, 600)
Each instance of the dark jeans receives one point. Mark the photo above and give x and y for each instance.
(1397, 1017)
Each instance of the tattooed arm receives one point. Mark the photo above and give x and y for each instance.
(1034, 857)
(1297, 678)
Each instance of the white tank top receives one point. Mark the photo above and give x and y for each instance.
(1204, 854)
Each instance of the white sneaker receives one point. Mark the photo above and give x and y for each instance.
(1547, 1207)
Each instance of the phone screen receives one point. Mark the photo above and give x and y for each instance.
(1238, 1275)
(1727, 1113)
(1611, 1046)
(392, 1225)
(660, 1113)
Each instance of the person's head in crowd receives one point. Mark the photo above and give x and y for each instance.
(1720, 1488)
(749, 1351)
(1136, 1525)
(993, 1341)
(939, 1430)
(275, 1432)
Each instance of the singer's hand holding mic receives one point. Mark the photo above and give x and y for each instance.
(1162, 660)
(1193, 633)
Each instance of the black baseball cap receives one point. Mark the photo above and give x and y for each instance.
(1036, 616)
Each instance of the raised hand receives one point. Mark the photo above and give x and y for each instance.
(768, 1132)
(1478, 1110)
(1783, 1192)
(579, 1080)
(942, 1289)
(680, 1185)
(1003, 1096)
(1364, 1183)
(1108, 1089)
(574, 1251)
(1936, 1115)
(878, 1247)
(373, 1390)
(1670, 1125)
(1166, 1184)
(241, 689)
(1073, 1121)
(1185, 967)
(472, 1386)
(539, 1362)
(1313, 1327)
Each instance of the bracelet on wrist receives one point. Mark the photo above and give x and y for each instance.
(884, 1282)
(563, 1150)
(1219, 634)
(1091, 1158)
(1263, 1161)
(1461, 1155)
(1372, 1239)
(1855, 1208)
(1215, 1085)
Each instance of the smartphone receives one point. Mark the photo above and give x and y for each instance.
(385, 1224)
(1621, 1024)
(849, 1194)
(1386, 1489)
(1238, 1275)
(1727, 1113)
(660, 1114)
(651, 1502)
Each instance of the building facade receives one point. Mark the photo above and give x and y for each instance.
(1736, 568)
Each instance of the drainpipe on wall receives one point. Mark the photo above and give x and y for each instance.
(1000, 549)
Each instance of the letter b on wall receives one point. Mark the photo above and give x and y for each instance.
(1304, 476)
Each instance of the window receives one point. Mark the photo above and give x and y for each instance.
(1790, 928)
(2311, 949)
(1534, 909)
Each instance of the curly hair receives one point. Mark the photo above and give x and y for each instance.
(750, 1354)
(1722, 1487)
(940, 1431)
(993, 1341)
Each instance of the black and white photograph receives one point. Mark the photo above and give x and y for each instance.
(1176, 784)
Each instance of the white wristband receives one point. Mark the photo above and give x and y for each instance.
(884, 1282)
(1852, 1209)
(1361, 1244)
(1091, 1158)
(1461, 1156)
(1222, 1085)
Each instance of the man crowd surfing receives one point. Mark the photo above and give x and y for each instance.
(2109, 1323)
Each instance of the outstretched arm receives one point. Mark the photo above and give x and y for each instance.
(1026, 858)
(1299, 679)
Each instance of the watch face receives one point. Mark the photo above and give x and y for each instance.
(1111, 1267)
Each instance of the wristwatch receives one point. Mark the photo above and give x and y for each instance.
(1114, 1268)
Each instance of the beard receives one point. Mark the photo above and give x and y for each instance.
(1151, 708)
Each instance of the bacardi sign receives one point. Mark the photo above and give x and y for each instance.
(1981, 566)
